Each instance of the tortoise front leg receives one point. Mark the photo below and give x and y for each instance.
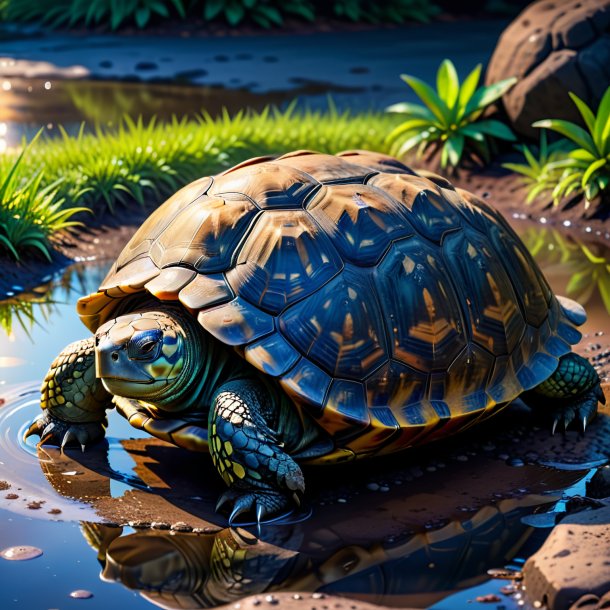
(73, 401)
(247, 453)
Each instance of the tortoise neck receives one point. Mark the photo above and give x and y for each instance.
(207, 365)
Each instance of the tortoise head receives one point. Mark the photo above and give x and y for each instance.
(139, 355)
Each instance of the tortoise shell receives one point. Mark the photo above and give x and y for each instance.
(390, 306)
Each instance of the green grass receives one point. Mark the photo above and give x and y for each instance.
(144, 163)
(113, 14)
(31, 208)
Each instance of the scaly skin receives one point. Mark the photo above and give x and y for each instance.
(247, 453)
(575, 390)
(73, 401)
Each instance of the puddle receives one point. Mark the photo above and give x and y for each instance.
(133, 521)
(28, 104)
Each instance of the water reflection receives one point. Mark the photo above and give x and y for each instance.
(409, 546)
(582, 267)
(206, 569)
(26, 104)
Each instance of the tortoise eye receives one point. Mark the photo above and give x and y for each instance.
(145, 345)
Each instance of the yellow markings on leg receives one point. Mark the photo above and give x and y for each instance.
(238, 470)
(228, 448)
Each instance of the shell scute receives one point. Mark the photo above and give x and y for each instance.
(205, 235)
(362, 221)
(531, 290)
(307, 383)
(170, 282)
(267, 184)
(326, 168)
(340, 327)
(205, 291)
(272, 355)
(345, 412)
(236, 322)
(486, 291)
(420, 305)
(158, 221)
(377, 162)
(286, 257)
(461, 388)
(431, 213)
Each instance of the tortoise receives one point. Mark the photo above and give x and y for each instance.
(311, 308)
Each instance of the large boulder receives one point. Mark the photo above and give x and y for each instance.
(553, 46)
(572, 562)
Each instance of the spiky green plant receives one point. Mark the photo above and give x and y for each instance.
(451, 117)
(30, 211)
(540, 170)
(586, 168)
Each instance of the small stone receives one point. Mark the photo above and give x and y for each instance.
(490, 598)
(139, 524)
(54, 511)
(11, 496)
(373, 486)
(81, 594)
(505, 574)
(160, 525)
(20, 553)
(297, 596)
(515, 462)
(384, 488)
(318, 596)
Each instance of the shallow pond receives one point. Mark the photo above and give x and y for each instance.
(133, 521)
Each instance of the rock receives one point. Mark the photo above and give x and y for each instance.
(553, 47)
(599, 485)
(572, 562)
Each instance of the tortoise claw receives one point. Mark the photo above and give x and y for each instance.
(68, 437)
(554, 427)
(259, 517)
(33, 429)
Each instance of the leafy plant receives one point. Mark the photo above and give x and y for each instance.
(540, 169)
(586, 167)
(264, 12)
(112, 13)
(396, 11)
(451, 117)
(30, 212)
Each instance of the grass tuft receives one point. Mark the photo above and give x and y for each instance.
(145, 162)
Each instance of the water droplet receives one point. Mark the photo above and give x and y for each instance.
(81, 594)
(20, 553)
